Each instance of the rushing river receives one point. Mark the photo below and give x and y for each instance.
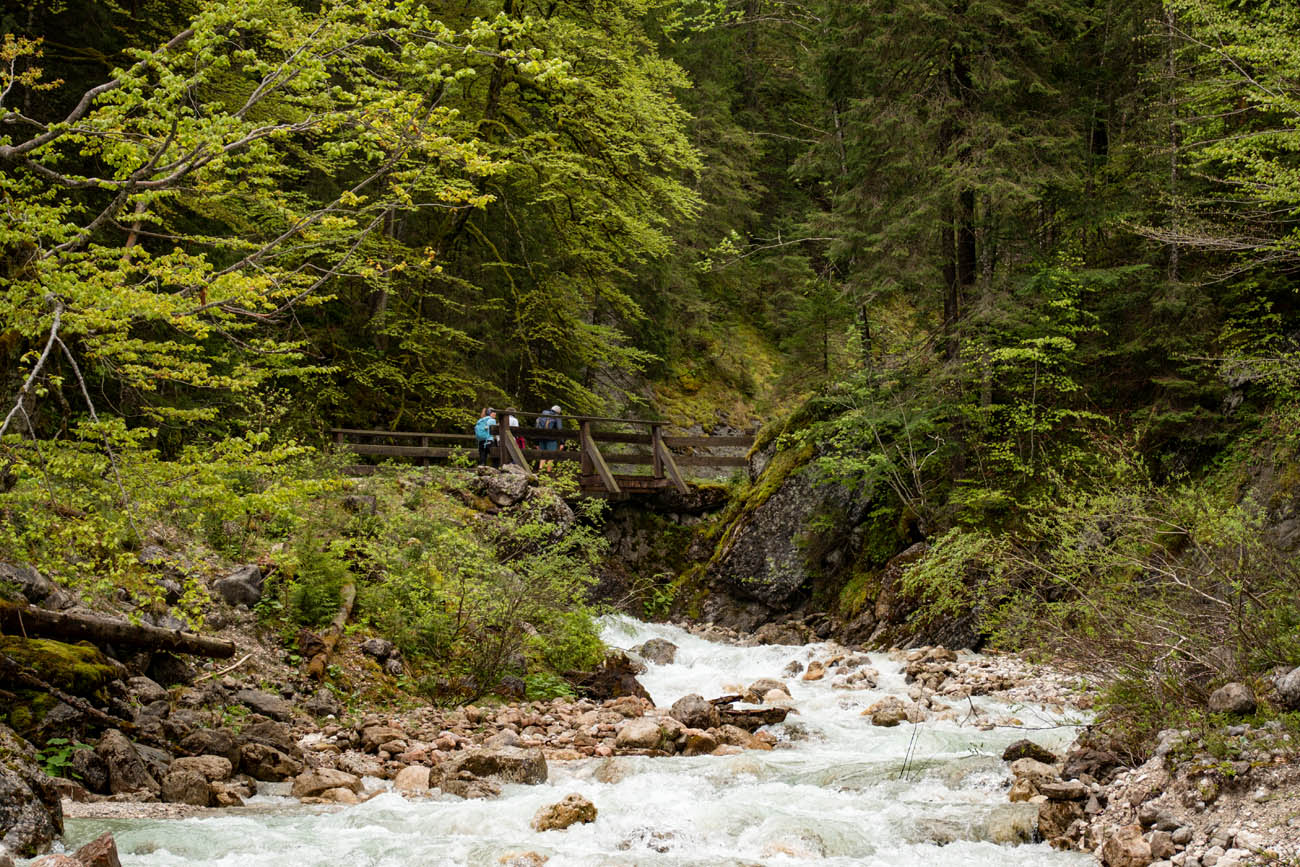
(844, 793)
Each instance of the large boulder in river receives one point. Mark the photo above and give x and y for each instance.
(31, 814)
(571, 811)
(660, 651)
(696, 712)
(615, 677)
(507, 764)
(642, 733)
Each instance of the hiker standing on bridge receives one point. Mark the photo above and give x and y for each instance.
(549, 420)
(484, 430)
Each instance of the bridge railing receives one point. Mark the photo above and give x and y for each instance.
(582, 440)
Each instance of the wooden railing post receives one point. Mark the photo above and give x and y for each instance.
(656, 446)
(587, 466)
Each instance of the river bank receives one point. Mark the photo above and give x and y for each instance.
(833, 781)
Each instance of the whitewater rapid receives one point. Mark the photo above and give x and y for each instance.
(837, 791)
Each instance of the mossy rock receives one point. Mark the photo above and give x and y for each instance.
(77, 668)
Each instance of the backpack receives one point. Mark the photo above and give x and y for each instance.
(546, 421)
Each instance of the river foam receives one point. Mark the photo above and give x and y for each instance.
(837, 791)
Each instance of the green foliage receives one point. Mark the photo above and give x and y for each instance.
(1167, 590)
(55, 757)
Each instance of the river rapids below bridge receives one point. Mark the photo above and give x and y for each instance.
(836, 791)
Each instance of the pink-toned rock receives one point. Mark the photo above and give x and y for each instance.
(57, 861)
(100, 852)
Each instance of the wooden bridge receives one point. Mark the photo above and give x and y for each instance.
(585, 439)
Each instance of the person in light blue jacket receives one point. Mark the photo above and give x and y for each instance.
(485, 431)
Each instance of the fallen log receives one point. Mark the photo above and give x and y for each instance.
(320, 661)
(67, 626)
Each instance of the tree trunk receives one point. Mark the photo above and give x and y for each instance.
(321, 660)
(28, 621)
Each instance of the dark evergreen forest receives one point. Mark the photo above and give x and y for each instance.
(1026, 269)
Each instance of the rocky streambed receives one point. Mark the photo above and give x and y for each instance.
(814, 753)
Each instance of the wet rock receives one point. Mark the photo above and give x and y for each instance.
(614, 678)
(56, 861)
(313, 783)
(816, 670)
(1126, 848)
(1035, 771)
(186, 786)
(699, 743)
(660, 651)
(1010, 826)
(888, 712)
(1025, 748)
(127, 771)
(226, 794)
(1022, 790)
(31, 815)
(757, 691)
(510, 765)
(1232, 698)
(696, 712)
(243, 586)
(265, 703)
(414, 778)
(522, 859)
(640, 733)
(750, 719)
(262, 762)
(574, 809)
(214, 769)
(100, 852)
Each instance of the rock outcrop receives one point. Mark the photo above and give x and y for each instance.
(31, 815)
